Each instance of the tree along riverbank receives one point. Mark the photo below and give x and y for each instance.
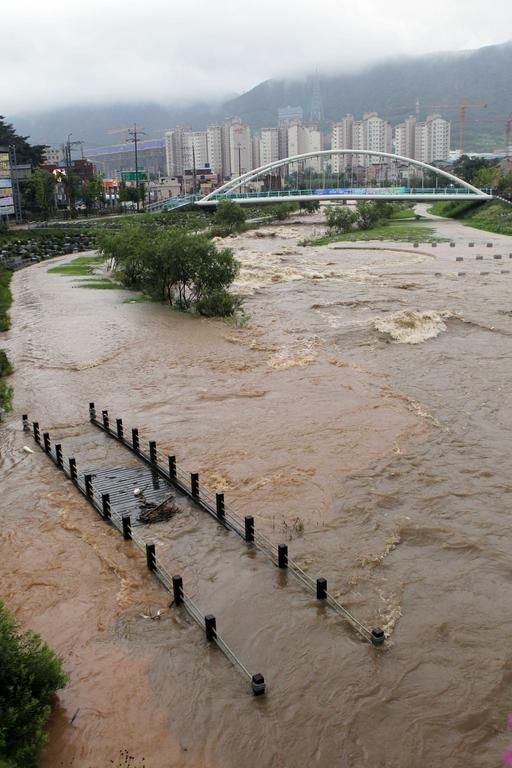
(5, 323)
(370, 220)
(172, 264)
(31, 674)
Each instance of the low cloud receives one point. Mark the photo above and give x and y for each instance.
(56, 53)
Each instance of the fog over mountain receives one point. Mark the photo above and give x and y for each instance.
(439, 81)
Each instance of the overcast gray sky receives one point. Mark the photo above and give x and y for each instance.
(55, 53)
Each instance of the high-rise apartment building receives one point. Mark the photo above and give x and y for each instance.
(283, 141)
(370, 133)
(432, 139)
(174, 151)
(195, 150)
(438, 137)
(214, 149)
(420, 142)
(425, 141)
(377, 135)
(226, 147)
(296, 143)
(313, 143)
(269, 145)
(404, 137)
(357, 143)
(256, 154)
(341, 138)
(301, 140)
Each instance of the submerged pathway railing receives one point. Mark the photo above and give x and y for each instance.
(101, 502)
(216, 507)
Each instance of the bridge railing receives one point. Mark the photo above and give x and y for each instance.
(172, 202)
(375, 192)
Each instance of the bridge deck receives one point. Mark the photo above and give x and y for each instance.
(424, 194)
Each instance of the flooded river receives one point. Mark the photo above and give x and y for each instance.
(362, 415)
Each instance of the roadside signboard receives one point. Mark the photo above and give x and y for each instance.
(130, 175)
(6, 193)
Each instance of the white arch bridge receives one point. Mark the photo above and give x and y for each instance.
(399, 178)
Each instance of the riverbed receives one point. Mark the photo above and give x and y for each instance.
(361, 413)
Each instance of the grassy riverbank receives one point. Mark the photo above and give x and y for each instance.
(404, 213)
(5, 366)
(81, 266)
(495, 216)
(396, 231)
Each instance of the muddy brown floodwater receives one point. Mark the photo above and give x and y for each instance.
(363, 415)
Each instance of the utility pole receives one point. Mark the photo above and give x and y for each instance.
(133, 135)
(67, 162)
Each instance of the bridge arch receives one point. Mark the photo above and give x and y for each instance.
(239, 181)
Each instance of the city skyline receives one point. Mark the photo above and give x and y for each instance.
(228, 149)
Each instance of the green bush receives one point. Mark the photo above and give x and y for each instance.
(6, 393)
(368, 214)
(219, 303)
(309, 206)
(282, 211)
(189, 217)
(224, 231)
(172, 264)
(5, 367)
(383, 209)
(229, 214)
(5, 299)
(30, 673)
(340, 218)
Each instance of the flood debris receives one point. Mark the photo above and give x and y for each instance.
(150, 512)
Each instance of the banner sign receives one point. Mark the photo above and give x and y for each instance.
(363, 191)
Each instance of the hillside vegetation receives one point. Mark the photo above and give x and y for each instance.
(494, 216)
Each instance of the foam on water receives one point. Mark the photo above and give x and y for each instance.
(412, 327)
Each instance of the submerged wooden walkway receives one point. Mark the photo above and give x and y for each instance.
(121, 482)
(110, 490)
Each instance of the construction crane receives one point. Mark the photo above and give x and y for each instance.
(462, 118)
(506, 148)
